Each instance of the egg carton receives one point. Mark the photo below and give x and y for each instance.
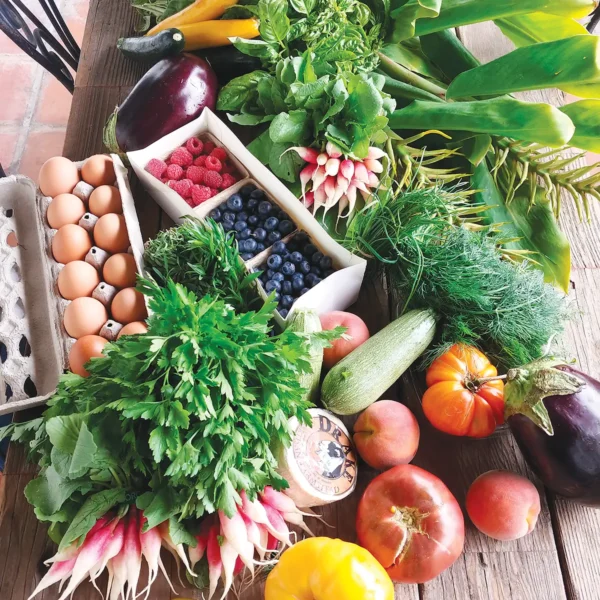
(34, 346)
(336, 292)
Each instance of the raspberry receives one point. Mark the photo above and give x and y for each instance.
(174, 172)
(229, 168)
(219, 153)
(199, 162)
(196, 174)
(228, 181)
(183, 187)
(213, 179)
(213, 164)
(200, 194)
(156, 167)
(209, 147)
(213, 192)
(181, 157)
(194, 145)
(189, 202)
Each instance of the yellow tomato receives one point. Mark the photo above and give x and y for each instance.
(326, 569)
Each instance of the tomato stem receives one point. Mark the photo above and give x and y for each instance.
(483, 380)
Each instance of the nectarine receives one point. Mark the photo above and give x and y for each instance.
(386, 435)
(356, 333)
(503, 505)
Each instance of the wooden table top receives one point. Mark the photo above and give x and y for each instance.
(560, 559)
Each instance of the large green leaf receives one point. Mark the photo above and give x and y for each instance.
(412, 58)
(448, 53)
(562, 63)
(455, 13)
(406, 12)
(525, 121)
(585, 115)
(531, 228)
(524, 30)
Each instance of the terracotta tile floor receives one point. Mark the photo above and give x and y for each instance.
(34, 107)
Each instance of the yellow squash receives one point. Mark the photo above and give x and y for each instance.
(200, 10)
(326, 569)
(210, 34)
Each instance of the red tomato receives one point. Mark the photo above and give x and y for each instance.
(357, 333)
(410, 521)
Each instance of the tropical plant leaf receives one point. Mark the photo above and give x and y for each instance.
(531, 230)
(412, 58)
(562, 63)
(448, 53)
(532, 122)
(455, 13)
(406, 12)
(475, 148)
(524, 30)
(585, 115)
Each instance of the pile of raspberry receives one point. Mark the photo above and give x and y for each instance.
(197, 171)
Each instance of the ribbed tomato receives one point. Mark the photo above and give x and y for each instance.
(459, 400)
(411, 523)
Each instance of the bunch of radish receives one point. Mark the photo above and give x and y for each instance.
(336, 179)
(119, 545)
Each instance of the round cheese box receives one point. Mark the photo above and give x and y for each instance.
(320, 465)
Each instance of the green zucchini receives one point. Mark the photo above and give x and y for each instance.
(152, 48)
(366, 373)
(307, 321)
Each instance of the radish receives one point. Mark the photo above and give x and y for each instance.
(113, 548)
(308, 155)
(213, 555)
(277, 522)
(229, 558)
(132, 549)
(234, 531)
(57, 572)
(175, 549)
(332, 150)
(257, 512)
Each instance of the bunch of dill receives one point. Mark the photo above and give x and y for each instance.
(434, 261)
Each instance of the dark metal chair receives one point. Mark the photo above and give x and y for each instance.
(57, 53)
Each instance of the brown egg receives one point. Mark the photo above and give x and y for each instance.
(77, 279)
(65, 209)
(128, 306)
(105, 199)
(98, 170)
(110, 233)
(84, 316)
(82, 350)
(58, 175)
(134, 328)
(70, 243)
(120, 270)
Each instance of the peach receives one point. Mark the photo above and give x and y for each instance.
(503, 505)
(356, 333)
(386, 435)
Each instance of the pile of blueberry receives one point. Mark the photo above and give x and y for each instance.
(258, 223)
(292, 269)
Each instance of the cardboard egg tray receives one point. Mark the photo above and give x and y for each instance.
(34, 345)
(336, 292)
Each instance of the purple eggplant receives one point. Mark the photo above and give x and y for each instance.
(553, 412)
(172, 93)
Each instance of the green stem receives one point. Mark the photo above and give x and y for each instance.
(115, 476)
(396, 70)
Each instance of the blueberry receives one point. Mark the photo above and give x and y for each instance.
(245, 233)
(305, 267)
(271, 223)
(303, 291)
(279, 248)
(215, 215)
(270, 273)
(274, 261)
(242, 246)
(250, 244)
(276, 296)
(247, 256)
(259, 247)
(235, 203)
(229, 216)
(281, 215)
(240, 225)
(284, 313)
(286, 287)
(274, 236)
(278, 277)
(287, 301)
(292, 245)
(264, 208)
(272, 285)
(286, 227)
(328, 273)
(227, 225)
(253, 220)
(257, 194)
(309, 250)
(296, 258)
(260, 234)
(325, 263)
(316, 270)
(310, 279)
(298, 281)
(252, 204)
(301, 238)
(247, 190)
(288, 268)
(316, 258)
(242, 216)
